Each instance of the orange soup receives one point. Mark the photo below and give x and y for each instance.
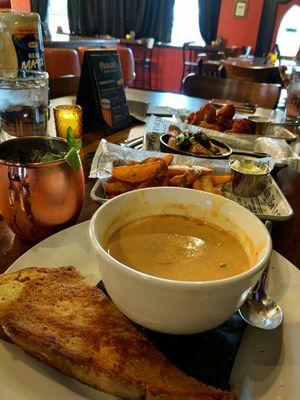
(178, 248)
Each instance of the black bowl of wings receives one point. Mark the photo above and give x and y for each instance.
(195, 144)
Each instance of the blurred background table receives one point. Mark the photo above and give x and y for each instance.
(63, 40)
(285, 234)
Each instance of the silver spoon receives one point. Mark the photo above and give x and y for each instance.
(259, 309)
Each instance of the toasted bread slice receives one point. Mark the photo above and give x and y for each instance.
(12, 284)
(77, 329)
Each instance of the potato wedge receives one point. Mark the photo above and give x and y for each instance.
(181, 169)
(148, 183)
(175, 180)
(176, 170)
(150, 159)
(220, 180)
(217, 190)
(165, 182)
(207, 183)
(190, 177)
(197, 184)
(116, 187)
(138, 173)
(168, 159)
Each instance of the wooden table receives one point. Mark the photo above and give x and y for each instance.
(285, 234)
(249, 62)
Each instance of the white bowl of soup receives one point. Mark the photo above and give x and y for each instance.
(178, 260)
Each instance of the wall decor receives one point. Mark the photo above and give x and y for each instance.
(240, 9)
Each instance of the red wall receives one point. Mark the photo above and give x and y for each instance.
(166, 68)
(21, 5)
(236, 31)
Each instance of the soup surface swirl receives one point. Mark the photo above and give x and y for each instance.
(178, 248)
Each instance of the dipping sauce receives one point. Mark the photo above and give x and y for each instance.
(178, 248)
(250, 167)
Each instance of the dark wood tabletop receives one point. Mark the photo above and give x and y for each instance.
(250, 62)
(285, 235)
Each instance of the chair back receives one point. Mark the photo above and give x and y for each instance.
(217, 56)
(265, 95)
(208, 67)
(232, 51)
(126, 61)
(63, 86)
(127, 64)
(82, 50)
(60, 62)
(252, 74)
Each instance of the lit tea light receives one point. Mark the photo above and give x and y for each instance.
(66, 116)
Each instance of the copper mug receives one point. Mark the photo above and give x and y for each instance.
(38, 198)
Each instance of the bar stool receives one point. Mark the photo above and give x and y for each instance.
(60, 62)
(144, 63)
(190, 62)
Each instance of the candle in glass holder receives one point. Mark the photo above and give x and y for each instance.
(66, 116)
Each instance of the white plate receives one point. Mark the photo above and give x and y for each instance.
(267, 366)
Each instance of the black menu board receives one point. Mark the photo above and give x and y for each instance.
(101, 92)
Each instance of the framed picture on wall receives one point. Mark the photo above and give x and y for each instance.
(240, 8)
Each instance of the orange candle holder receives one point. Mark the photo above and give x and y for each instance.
(66, 116)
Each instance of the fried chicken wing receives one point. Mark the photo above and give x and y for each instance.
(207, 113)
(227, 111)
(240, 126)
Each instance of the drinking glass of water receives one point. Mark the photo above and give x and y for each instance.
(293, 97)
(23, 103)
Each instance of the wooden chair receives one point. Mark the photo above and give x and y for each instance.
(265, 95)
(217, 56)
(190, 61)
(60, 62)
(252, 74)
(211, 68)
(63, 86)
(232, 51)
(127, 64)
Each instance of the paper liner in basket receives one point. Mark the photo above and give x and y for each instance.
(281, 153)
